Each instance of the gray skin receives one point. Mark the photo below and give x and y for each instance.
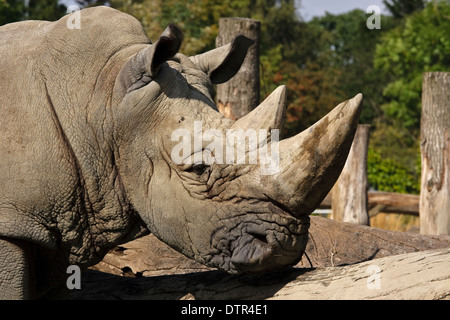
(85, 144)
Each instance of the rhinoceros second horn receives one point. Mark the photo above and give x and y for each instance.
(268, 115)
(311, 161)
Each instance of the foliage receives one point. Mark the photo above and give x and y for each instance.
(419, 45)
(389, 175)
(352, 47)
(402, 8)
(197, 18)
(17, 10)
(312, 93)
(11, 11)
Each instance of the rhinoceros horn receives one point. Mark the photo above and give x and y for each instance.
(268, 115)
(311, 161)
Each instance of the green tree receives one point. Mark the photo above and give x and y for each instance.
(50, 10)
(312, 92)
(90, 3)
(11, 11)
(402, 8)
(389, 175)
(17, 10)
(352, 47)
(420, 44)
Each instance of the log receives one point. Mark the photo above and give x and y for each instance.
(240, 95)
(386, 202)
(334, 243)
(147, 256)
(394, 203)
(419, 275)
(148, 269)
(330, 243)
(435, 154)
(349, 194)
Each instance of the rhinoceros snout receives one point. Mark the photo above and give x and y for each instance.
(268, 243)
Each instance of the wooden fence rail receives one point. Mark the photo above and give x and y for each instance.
(387, 202)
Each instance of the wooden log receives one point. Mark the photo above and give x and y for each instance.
(389, 202)
(340, 254)
(333, 243)
(435, 154)
(330, 243)
(349, 194)
(394, 202)
(420, 275)
(240, 95)
(147, 256)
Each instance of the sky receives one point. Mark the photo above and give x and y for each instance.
(312, 8)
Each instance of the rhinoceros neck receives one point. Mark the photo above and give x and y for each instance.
(86, 129)
(60, 82)
(86, 136)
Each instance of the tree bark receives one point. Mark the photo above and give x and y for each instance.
(240, 95)
(349, 194)
(435, 154)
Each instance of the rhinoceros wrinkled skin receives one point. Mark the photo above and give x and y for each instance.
(86, 123)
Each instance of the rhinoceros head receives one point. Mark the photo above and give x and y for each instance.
(180, 164)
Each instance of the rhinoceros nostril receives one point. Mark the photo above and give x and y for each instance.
(258, 236)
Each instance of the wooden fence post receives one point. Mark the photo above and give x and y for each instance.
(240, 95)
(435, 154)
(349, 195)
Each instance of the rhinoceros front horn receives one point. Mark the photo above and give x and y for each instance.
(311, 162)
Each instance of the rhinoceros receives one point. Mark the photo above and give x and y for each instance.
(87, 118)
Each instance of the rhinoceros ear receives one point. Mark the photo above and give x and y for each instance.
(144, 65)
(165, 48)
(222, 63)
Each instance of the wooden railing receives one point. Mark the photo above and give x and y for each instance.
(386, 202)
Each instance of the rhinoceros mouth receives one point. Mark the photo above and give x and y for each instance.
(261, 243)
